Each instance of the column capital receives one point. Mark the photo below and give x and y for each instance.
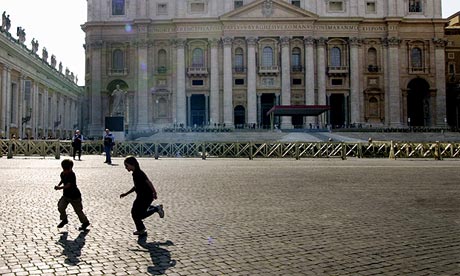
(321, 41)
(227, 41)
(213, 42)
(391, 41)
(440, 42)
(251, 41)
(179, 43)
(309, 40)
(354, 41)
(284, 41)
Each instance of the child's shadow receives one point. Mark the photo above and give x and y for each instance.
(72, 249)
(161, 258)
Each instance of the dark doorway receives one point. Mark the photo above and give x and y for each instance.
(418, 103)
(239, 116)
(337, 103)
(453, 106)
(198, 110)
(267, 101)
(297, 121)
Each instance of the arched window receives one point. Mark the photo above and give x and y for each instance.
(118, 7)
(267, 56)
(336, 59)
(117, 60)
(162, 58)
(416, 57)
(296, 60)
(239, 60)
(197, 58)
(373, 107)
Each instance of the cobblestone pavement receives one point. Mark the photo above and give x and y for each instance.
(237, 217)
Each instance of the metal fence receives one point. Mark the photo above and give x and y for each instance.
(297, 150)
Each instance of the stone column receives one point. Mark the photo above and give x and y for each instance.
(439, 53)
(309, 76)
(355, 90)
(286, 121)
(214, 79)
(189, 111)
(3, 88)
(228, 82)
(251, 94)
(259, 107)
(321, 70)
(142, 85)
(96, 124)
(394, 89)
(180, 83)
(46, 114)
(8, 101)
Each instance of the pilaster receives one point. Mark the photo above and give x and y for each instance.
(286, 121)
(180, 83)
(228, 82)
(251, 94)
(214, 85)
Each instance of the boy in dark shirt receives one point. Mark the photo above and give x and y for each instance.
(71, 194)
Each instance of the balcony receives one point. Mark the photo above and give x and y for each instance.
(337, 70)
(418, 70)
(239, 70)
(162, 70)
(373, 69)
(197, 71)
(118, 72)
(269, 70)
(296, 68)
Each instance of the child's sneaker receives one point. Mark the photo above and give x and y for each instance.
(84, 226)
(161, 212)
(140, 232)
(64, 222)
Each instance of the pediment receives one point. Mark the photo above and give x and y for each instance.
(263, 9)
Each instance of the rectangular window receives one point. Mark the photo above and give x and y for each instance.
(295, 3)
(451, 55)
(118, 7)
(296, 81)
(415, 6)
(197, 82)
(197, 7)
(335, 6)
(370, 7)
(336, 81)
(237, 4)
(239, 81)
(162, 8)
(451, 68)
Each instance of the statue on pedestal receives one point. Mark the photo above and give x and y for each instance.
(118, 102)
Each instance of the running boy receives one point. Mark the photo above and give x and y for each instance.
(145, 194)
(71, 194)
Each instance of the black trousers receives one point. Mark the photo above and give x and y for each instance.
(75, 150)
(139, 211)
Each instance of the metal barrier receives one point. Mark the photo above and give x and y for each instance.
(251, 150)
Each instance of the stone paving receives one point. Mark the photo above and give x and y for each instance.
(237, 217)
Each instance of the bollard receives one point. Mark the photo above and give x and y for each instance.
(203, 151)
(297, 155)
(156, 151)
(392, 151)
(344, 151)
(10, 150)
(437, 153)
(57, 154)
(250, 151)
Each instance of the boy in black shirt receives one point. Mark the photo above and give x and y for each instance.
(71, 194)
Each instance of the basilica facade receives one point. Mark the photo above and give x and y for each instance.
(226, 63)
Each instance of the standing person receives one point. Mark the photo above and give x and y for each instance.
(145, 194)
(77, 139)
(109, 141)
(71, 194)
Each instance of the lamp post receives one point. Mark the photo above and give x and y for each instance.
(26, 119)
(408, 122)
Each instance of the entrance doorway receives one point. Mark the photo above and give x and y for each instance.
(198, 110)
(337, 104)
(239, 114)
(267, 101)
(418, 103)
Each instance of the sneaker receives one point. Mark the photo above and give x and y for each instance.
(64, 222)
(84, 226)
(139, 232)
(161, 212)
